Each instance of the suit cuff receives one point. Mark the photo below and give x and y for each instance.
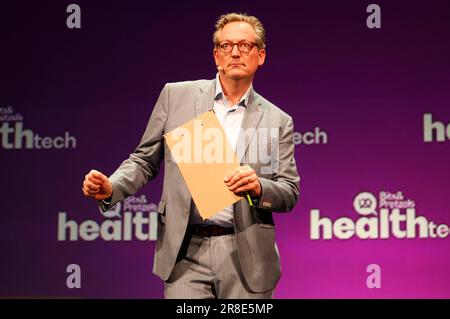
(105, 204)
(265, 201)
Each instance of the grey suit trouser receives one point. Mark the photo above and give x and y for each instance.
(209, 268)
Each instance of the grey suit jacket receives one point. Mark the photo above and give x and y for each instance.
(254, 226)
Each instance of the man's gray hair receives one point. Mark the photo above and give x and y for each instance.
(224, 19)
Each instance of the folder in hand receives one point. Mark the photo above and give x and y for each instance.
(204, 156)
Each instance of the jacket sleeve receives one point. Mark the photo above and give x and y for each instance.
(280, 193)
(144, 163)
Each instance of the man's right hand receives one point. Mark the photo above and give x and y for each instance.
(96, 185)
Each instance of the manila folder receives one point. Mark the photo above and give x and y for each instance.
(204, 156)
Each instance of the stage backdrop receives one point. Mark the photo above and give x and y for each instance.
(368, 87)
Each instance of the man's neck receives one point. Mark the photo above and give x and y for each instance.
(234, 90)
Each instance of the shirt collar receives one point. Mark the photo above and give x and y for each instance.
(219, 93)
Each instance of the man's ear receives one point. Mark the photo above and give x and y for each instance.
(261, 57)
(216, 56)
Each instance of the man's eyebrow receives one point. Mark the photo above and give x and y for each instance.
(235, 41)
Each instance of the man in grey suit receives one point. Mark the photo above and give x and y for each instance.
(232, 254)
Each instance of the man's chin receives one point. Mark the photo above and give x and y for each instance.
(237, 75)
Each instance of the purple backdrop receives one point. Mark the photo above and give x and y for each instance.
(367, 91)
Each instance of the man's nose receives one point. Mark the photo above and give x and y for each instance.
(235, 53)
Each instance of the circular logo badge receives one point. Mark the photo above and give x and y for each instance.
(365, 204)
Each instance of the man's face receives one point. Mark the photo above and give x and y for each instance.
(238, 65)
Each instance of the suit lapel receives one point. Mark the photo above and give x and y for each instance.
(252, 117)
(204, 100)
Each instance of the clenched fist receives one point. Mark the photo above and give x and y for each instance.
(96, 185)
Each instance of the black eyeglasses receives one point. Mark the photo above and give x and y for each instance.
(243, 46)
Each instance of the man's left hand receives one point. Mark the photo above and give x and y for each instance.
(244, 179)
